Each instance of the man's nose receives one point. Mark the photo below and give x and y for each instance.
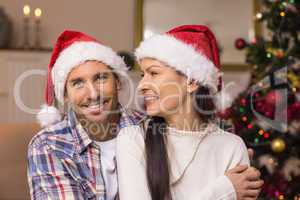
(93, 91)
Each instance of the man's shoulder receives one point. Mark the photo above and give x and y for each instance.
(56, 137)
(131, 117)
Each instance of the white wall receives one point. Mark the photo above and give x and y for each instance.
(111, 21)
(228, 20)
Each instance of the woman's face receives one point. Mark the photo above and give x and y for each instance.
(163, 88)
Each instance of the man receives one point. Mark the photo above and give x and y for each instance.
(74, 157)
(64, 158)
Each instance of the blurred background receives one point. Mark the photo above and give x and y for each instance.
(257, 39)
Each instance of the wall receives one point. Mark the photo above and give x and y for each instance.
(108, 20)
(229, 20)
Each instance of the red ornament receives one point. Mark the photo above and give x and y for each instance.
(293, 111)
(243, 102)
(240, 43)
(256, 94)
(250, 126)
(225, 114)
(273, 96)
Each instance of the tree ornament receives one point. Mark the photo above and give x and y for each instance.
(273, 96)
(278, 145)
(291, 168)
(240, 43)
(268, 161)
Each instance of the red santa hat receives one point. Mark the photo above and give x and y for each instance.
(72, 49)
(192, 50)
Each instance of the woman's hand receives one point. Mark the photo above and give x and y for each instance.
(246, 181)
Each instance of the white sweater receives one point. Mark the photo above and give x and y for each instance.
(198, 161)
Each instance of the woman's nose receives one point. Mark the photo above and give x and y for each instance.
(143, 84)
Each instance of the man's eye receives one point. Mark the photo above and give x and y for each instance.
(101, 77)
(153, 73)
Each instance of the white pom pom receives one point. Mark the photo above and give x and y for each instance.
(48, 115)
(223, 100)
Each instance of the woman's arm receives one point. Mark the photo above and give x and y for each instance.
(131, 164)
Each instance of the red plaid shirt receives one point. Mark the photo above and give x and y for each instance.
(64, 163)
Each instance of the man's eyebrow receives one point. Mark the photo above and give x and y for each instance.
(75, 80)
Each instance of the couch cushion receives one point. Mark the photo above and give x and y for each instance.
(14, 139)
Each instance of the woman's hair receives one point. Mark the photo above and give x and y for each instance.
(157, 162)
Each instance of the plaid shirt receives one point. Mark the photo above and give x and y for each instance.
(64, 163)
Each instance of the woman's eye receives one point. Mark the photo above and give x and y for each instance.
(142, 74)
(77, 84)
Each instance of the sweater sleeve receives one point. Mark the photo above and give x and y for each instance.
(239, 154)
(219, 189)
(131, 164)
(222, 188)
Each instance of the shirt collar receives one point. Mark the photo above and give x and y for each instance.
(81, 136)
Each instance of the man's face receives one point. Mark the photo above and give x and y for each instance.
(92, 91)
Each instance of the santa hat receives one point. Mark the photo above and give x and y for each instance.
(72, 49)
(192, 50)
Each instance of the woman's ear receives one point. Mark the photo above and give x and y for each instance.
(192, 86)
(118, 84)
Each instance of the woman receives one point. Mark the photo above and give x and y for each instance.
(180, 153)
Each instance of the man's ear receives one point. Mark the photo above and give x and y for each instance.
(66, 98)
(192, 86)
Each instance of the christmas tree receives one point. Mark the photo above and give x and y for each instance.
(267, 114)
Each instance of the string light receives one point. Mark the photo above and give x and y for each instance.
(256, 140)
(269, 55)
(242, 110)
(250, 126)
(281, 197)
(261, 132)
(282, 14)
(294, 89)
(244, 118)
(259, 16)
(266, 135)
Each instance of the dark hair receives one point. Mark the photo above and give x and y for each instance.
(157, 161)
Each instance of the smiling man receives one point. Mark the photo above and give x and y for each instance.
(74, 157)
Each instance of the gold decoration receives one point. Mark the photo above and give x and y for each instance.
(295, 80)
(278, 145)
(279, 53)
